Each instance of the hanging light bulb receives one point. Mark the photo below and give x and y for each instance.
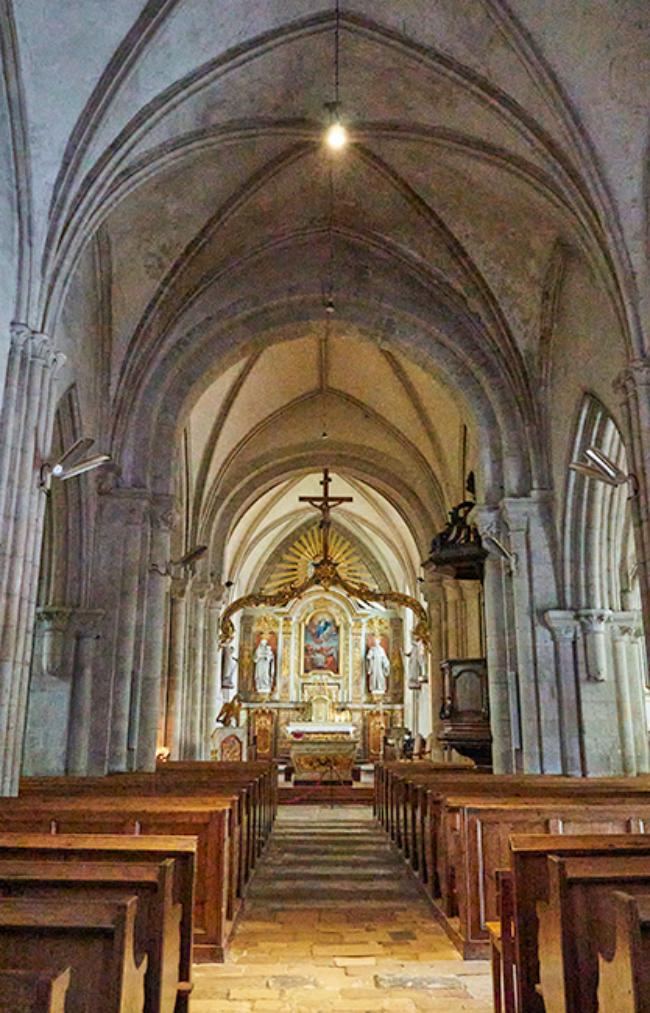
(336, 136)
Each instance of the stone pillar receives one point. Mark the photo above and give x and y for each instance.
(195, 690)
(145, 716)
(594, 622)
(122, 556)
(633, 389)
(497, 600)
(621, 637)
(26, 421)
(434, 594)
(636, 645)
(534, 590)
(175, 666)
(213, 694)
(564, 628)
(88, 625)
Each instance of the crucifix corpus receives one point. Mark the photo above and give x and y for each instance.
(325, 504)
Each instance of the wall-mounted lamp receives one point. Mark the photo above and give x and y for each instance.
(69, 464)
(600, 467)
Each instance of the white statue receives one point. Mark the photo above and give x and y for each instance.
(229, 668)
(415, 664)
(264, 659)
(377, 668)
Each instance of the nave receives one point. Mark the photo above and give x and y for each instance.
(332, 921)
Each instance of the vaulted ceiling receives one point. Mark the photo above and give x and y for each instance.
(181, 221)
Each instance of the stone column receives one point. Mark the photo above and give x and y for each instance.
(195, 690)
(26, 421)
(175, 666)
(635, 669)
(594, 622)
(500, 664)
(88, 623)
(213, 694)
(147, 712)
(534, 590)
(122, 556)
(434, 594)
(621, 637)
(633, 389)
(564, 628)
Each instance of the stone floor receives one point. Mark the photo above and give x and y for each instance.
(333, 922)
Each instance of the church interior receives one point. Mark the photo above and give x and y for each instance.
(324, 506)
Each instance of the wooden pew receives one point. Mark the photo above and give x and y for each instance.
(157, 926)
(33, 991)
(529, 874)
(475, 843)
(206, 820)
(252, 818)
(119, 848)
(97, 942)
(576, 925)
(624, 978)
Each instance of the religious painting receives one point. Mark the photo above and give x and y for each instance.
(231, 749)
(321, 644)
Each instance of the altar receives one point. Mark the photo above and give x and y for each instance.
(322, 752)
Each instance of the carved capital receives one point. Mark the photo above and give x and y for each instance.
(635, 375)
(178, 588)
(594, 620)
(36, 346)
(163, 513)
(562, 624)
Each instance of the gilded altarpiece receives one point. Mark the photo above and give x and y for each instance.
(320, 645)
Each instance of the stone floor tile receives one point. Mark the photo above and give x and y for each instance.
(309, 952)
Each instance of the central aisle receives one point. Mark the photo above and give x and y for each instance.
(334, 922)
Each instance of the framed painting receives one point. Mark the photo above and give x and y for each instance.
(321, 652)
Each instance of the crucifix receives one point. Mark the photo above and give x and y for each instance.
(325, 503)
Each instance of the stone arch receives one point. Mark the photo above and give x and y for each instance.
(597, 534)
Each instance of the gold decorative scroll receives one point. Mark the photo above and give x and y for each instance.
(326, 575)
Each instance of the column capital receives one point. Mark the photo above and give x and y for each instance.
(163, 512)
(36, 345)
(562, 624)
(178, 587)
(636, 374)
(432, 583)
(594, 620)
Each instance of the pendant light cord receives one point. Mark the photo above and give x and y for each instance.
(337, 31)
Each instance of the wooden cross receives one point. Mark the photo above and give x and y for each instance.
(325, 504)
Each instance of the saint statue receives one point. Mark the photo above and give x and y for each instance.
(264, 667)
(415, 663)
(377, 668)
(229, 668)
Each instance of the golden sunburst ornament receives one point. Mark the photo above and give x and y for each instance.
(298, 562)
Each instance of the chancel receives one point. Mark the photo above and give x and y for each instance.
(324, 506)
(333, 634)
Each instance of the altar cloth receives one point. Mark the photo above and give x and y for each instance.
(322, 728)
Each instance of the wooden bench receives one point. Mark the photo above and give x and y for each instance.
(119, 848)
(475, 843)
(576, 925)
(157, 927)
(252, 816)
(624, 978)
(96, 941)
(33, 991)
(208, 821)
(529, 875)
